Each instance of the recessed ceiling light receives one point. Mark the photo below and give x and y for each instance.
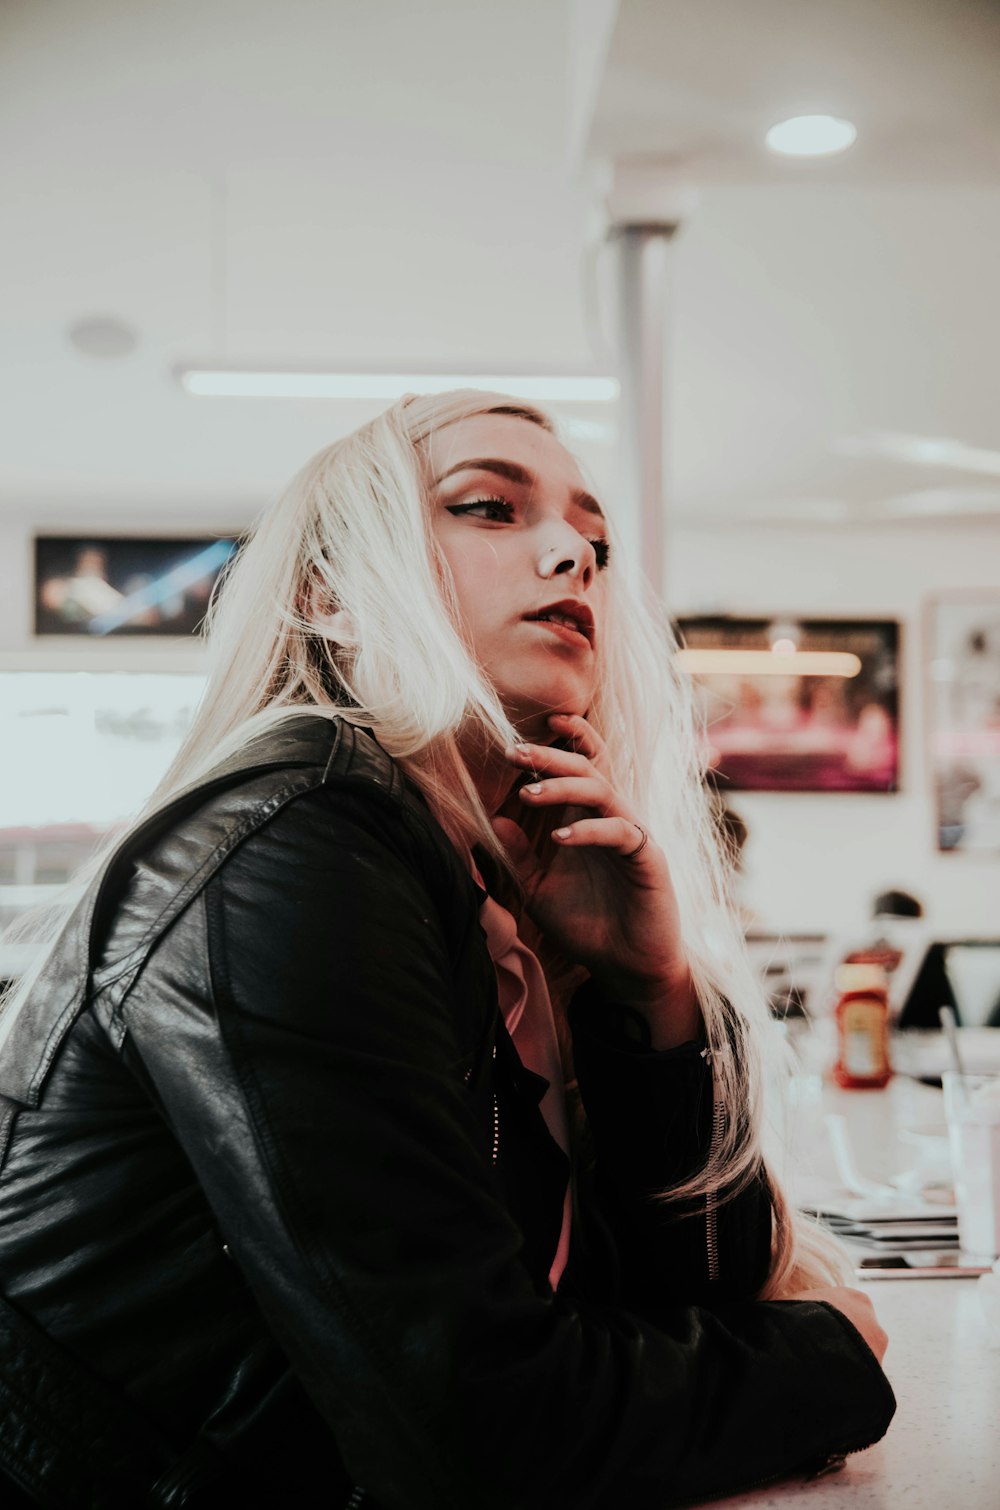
(103, 336)
(811, 136)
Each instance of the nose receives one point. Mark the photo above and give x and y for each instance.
(570, 556)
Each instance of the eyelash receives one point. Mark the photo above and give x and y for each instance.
(505, 515)
(505, 509)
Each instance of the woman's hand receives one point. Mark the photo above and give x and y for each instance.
(605, 897)
(856, 1306)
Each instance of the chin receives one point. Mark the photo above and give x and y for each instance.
(530, 717)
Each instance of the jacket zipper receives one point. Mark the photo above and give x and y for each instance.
(357, 1498)
(495, 1151)
(711, 1208)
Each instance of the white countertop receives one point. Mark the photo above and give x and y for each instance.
(942, 1451)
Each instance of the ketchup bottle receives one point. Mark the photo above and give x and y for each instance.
(862, 1017)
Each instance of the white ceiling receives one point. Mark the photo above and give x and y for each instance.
(383, 182)
(700, 81)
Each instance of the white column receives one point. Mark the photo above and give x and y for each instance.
(642, 252)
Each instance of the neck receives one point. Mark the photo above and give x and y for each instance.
(492, 773)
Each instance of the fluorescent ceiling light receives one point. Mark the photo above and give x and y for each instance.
(933, 503)
(811, 136)
(924, 451)
(207, 382)
(768, 662)
(576, 428)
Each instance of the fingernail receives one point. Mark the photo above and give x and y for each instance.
(534, 789)
(560, 833)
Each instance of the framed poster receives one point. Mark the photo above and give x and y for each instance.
(963, 718)
(797, 705)
(117, 586)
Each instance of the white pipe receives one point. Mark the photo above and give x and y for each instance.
(642, 266)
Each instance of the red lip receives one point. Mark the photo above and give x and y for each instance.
(570, 608)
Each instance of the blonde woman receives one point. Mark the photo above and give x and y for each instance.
(384, 1128)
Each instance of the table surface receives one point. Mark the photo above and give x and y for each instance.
(942, 1451)
(943, 1447)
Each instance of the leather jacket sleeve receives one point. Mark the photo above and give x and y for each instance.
(316, 1079)
(651, 1118)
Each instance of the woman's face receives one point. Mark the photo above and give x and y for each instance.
(525, 543)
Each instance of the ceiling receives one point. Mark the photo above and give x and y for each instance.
(373, 182)
(698, 82)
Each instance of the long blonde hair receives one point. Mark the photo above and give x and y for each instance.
(340, 604)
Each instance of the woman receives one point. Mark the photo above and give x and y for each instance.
(286, 1211)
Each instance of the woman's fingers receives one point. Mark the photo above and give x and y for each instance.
(545, 760)
(581, 737)
(614, 831)
(571, 778)
(580, 791)
(628, 838)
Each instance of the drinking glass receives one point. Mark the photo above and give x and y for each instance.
(972, 1111)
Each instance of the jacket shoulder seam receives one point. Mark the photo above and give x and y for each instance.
(196, 883)
(318, 780)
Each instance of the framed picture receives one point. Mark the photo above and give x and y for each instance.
(116, 586)
(963, 715)
(795, 704)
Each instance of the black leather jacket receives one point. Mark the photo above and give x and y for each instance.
(275, 1181)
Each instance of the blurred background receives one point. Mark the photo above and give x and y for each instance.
(382, 188)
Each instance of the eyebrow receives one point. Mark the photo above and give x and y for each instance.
(515, 473)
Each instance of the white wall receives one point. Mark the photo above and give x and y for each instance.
(816, 862)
